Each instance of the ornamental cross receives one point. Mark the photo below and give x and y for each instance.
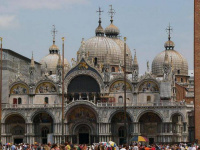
(111, 12)
(169, 29)
(99, 11)
(54, 32)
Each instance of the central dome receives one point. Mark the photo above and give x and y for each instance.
(103, 49)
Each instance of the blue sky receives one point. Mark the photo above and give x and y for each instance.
(26, 25)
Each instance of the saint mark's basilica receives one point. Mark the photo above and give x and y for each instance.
(159, 102)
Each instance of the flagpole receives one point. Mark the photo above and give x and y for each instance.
(1, 39)
(126, 131)
(63, 99)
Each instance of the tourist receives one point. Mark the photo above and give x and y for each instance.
(135, 147)
(54, 147)
(13, 147)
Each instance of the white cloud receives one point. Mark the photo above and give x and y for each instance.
(15, 5)
(8, 21)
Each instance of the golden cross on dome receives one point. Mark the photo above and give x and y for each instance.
(169, 29)
(54, 31)
(111, 12)
(99, 11)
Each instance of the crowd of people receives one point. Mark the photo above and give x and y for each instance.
(99, 146)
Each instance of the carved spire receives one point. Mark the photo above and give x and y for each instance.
(135, 70)
(166, 67)
(83, 48)
(59, 61)
(32, 61)
(166, 59)
(135, 62)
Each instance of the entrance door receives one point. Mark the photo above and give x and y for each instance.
(121, 141)
(151, 140)
(44, 141)
(83, 134)
(83, 138)
(17, 141)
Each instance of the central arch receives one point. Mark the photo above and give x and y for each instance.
(83, 87)
(82, 124)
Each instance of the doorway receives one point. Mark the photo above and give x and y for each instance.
(83, 134)
(17, 141)
(83, 138)
(151, 141)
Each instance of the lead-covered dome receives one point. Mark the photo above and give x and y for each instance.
(129, 58)
(51, 61)
(180, 64)
(112, 30)
(103, 49)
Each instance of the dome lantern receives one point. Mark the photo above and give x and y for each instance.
(54, 48)
(169, 44)
(112, 30)
(99, 30)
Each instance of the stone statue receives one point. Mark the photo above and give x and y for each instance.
(135, 74)
(100, 67)
(120, 64)
(148, 69)
(73, 62)
(106, 74)
(46, 74)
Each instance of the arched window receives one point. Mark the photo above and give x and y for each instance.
(46, 100)
(95, 61)
(148, 99)
(45, 131)
(50, 73)
(19, 100)
(14, 101)
(120, 99)
(181, 79)
(113, 69)
(178, 71)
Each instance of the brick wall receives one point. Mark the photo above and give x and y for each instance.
(197, 67)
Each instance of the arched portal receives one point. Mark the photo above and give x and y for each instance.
(83, 133)
(117, 127)
(83, 87)
(150, 126)
(82, 123)
(43, 125)
(15, 126)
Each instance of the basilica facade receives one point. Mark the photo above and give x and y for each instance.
(159, 102)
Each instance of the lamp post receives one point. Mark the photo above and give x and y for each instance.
(126, 131)
(63, 98)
